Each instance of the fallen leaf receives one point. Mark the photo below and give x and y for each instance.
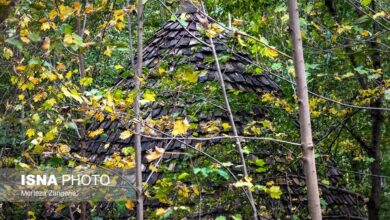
(180, 127)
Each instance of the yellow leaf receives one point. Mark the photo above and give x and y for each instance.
(291, 70)
(180, 127)
(45, 26)
(149, 95)
(124, 135)
(275, 192)
(118, 67)
(237, 22)
(107, 52)
(63, 149)
(267, 124)
(130, 205)
(49, 136)
(190, 76)
(226, 126)
(7, 53)
(68, 40)
(24, 32)
(74, 94)
(160, 211)
(153, 155)
(23, 165)
(69, 75)
(119, 15)
(196, 190)
(272, 53)
(30, 132)
(65, 12)
(21, 68)
(267, 97)
(185, 192)
(31, 214)
(153, 168)
(96, 132)
(120, 25)
(51, 101)
(86, 81)
(365, 33)
(379, 14)
(242, 183)
(52, 14)
(36, 117)
(21, 97)
(270, 183)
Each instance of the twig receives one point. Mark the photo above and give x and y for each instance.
(233, 124)
(223, 137)
(361, 10)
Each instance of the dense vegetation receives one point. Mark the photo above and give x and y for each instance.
(60, 60)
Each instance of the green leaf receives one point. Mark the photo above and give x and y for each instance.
(261, 170)
(182, 176)
(220, 218)
(365, 2)
(237, 217)
(66, 29)
(121, 207)
(260, 162)
(86, 81)
(77, 40)
(128, 151)
(325, 182)
(223, 173)
(204, 171)
(34, 37)
(15, 43)
(38, 149)
(275, 192)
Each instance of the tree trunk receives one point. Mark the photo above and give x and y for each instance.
(304, 114)
(137, 137)
(374, 202)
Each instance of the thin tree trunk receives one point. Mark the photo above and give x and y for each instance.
(233, 124)
(374, 202)
(137, 137)
(304, 114)
(83, 128)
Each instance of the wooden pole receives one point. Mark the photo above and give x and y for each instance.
(304, 113)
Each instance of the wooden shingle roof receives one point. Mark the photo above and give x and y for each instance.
(174, 46)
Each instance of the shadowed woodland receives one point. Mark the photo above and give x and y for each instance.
(213, 106)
